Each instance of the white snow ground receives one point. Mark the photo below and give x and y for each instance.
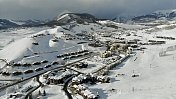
(156, 73)
(10, 35)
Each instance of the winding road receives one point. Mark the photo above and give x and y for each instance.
(65, 88)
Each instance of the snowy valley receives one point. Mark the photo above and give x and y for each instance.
(77, 56)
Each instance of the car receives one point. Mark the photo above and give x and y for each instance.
(47, 66)
(15, 96)
(55, 63)
(36, 63)
(67, 54)
(72, 56)
(59, 56)
(73, 53)
(38, 69)
(16, 64)
(28, 71)
(5, 73)
(44, 61)
(26, 64)
(86, 53)
(16, 73)
(35, 43)
(85, 50)
(79, 55)
(79, 52)
(65, 58)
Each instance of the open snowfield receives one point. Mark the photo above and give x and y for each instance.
(53, 92)
(155, 81)
(9, 36)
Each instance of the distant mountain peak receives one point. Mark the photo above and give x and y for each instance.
(160, 14)
(64, 12)
(4, 23)
(67, 18)
(164, 11)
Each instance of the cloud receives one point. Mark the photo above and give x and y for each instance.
(44, 9)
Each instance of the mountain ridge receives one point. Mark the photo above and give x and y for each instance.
(66, 18)
(157, 15)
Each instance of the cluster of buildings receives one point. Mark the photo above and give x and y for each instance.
(164, 37)
(73, 55)
(58, 77)
(84, 91)
(25, 67)
(78, 87)
(80, 79)
(154, 42)
(81, 65)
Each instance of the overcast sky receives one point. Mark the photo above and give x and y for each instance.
(47, 9)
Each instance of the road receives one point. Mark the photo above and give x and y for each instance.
(74, 70)
(66, 86)
(9, 79)
(30, 92)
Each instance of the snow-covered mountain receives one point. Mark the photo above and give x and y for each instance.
(6, 23)
(122, 19)
(68, 18)
(157, 15)
(170, 14)
(30, 22)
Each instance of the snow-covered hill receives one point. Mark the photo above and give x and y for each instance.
(8, 36)
(38, 43)
(61, 39)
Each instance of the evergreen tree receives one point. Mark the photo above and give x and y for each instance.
(39, 93)
(44, 93)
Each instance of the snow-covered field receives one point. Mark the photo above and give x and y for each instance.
(10, 35)
(146, 74)
(155, 73)
(155, 81)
